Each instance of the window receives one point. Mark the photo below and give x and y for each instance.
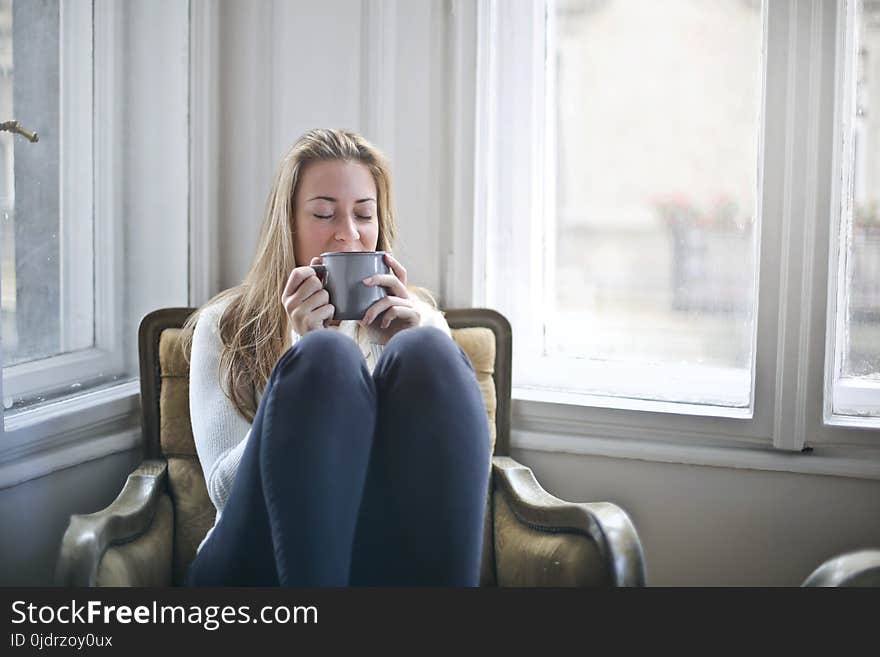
(91, 209)
(47, 295)
(655, 214)
(653, 237)
(855, 371)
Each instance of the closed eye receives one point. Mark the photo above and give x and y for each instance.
(330, 216)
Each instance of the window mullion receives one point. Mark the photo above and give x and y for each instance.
(76, 200)
(800, 209)
(108, 204)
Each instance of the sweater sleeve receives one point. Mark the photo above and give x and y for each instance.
(220, 433)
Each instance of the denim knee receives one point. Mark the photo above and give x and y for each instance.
(322, 375)
(426, 351)
(319, 353)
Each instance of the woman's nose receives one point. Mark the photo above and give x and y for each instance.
(348, 231)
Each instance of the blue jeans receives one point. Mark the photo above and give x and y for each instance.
(353, 479)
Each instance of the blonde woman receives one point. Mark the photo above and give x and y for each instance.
(335, 453)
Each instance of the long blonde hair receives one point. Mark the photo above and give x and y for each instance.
(252, 328)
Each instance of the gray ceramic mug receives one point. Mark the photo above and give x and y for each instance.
(342, 274)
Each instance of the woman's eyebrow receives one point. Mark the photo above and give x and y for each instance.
(333, 200)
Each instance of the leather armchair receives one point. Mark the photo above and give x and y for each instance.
(148, 535)
(860, 568)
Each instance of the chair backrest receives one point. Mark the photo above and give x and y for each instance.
(483, 334)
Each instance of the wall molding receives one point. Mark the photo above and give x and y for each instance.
(379, 72)
(204, 102)
(75, 451)
(462, 287)
(73, 419)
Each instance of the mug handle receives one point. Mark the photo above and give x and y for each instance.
(321, 271)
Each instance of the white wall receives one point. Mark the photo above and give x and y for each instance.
(35, 514)
(286, 67)
(713, 526)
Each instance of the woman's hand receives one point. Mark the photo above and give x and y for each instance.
(393, 313)
(306, 301)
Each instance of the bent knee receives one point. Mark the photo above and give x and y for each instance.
(322, 350)
(428, 349)
(421, 339)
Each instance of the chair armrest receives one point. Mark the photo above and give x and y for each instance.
(606, 524)
(860, 568)
(127, 517)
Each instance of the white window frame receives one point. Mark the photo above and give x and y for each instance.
(106, 420)
(91, 284)
(844, 397)
(787, 413)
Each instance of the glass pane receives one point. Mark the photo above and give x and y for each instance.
(657, 143)
(862, 351)
(31, 265)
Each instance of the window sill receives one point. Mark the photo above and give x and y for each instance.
(31, 433)
(835, 460)
(665, 388)
(545, 395)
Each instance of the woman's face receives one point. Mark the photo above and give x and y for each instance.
(335, 210)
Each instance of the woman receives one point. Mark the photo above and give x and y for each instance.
(335, 453)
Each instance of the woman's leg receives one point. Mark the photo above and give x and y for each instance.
(291, 514)
(421, 522)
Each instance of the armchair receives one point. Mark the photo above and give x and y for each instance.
(148, 535)
(860, 568)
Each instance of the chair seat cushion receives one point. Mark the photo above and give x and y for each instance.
(479, 345)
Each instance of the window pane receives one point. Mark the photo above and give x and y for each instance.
(857, 388)
(657, 144)
(862, 355)
(31, 262)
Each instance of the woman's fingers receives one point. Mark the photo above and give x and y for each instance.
(296, 279)
(398, 269)
(381, 306)
(389, 281)
(321, 314)
(308, 288)
(305, 300)
(395, 282)
(409, 315)
(315, 301)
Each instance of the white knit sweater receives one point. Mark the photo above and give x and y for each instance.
(220, 433)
